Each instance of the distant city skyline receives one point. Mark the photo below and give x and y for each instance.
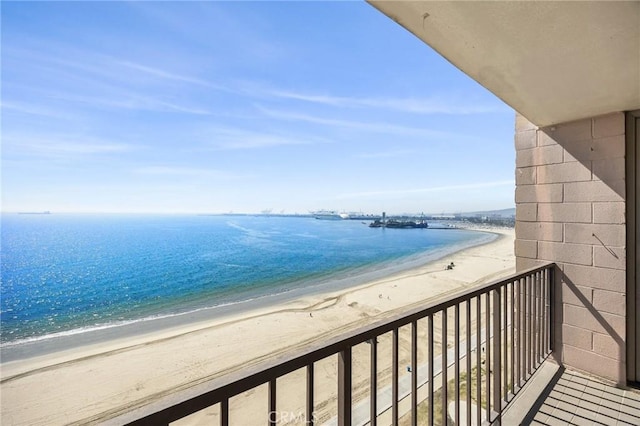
(214, 107)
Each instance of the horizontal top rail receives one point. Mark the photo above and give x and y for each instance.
(182, 403)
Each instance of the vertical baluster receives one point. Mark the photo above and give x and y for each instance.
(497, 352)
(431, 418)
(520, 334)
(414, 373)
(513, 344)
(532, 316)
(394, 378)
(487, 346)
(530, 321)
(443, 374)
(525, 312)
(527, 325)
(468, 359)
(457, 362)
(505, 342)
(541, 319)
(310, 385)
(547, 316)
(552, 308)
(534, 322)
(538, 317)
(523, 345)
(272, 403)
(374, 383)
(545, 278)
(344, 387)
(478, 360)
(224, 412)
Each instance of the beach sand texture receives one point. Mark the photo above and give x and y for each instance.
(94, 383)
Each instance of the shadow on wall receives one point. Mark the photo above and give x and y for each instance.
(593, 158)
(593, 320)
(586, 160)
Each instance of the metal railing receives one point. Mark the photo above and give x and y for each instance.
(480, 345)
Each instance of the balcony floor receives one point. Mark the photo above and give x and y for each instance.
(576, 399)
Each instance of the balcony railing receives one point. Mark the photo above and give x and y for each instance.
(479, 347)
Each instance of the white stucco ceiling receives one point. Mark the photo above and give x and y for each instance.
(551, 61)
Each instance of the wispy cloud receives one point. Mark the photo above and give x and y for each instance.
(129, 101)
(244, 29)
(387, 154)
(190, 172)
(32, 109)
(428, 189)
(57, 57)
(167, 75)
(378, 127)
(451, 104)
(223, 138)
(107, 81)
(64, 146)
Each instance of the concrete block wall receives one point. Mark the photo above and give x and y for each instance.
(570, 209)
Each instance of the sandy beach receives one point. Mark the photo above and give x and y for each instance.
(96, 382)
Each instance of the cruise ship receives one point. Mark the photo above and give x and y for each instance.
(329, 215)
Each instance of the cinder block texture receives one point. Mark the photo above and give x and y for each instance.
(525, 175)
(551, 154)
(609, 235)
(606, 346)
(526, 248)
(564, 213)
(608, 125)
(570, 209)
(565, 172)
(580, 254)
(539, 231)
(522, 124)
(526, 139)
(589, 150)
(609, 301)
(539, 193)
(526, 212)
(570, 132)
(595, 278)
(609, 212)
(595, 363)
(594, 191)
(600, 322)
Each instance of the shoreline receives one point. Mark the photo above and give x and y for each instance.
(134, 370)
(102, 334)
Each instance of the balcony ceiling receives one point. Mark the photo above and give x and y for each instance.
(551, 61)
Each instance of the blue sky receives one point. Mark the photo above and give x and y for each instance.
(212, 107)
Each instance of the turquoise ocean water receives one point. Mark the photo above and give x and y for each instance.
(73, 274)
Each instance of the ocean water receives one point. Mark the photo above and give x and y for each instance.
(70, 274)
